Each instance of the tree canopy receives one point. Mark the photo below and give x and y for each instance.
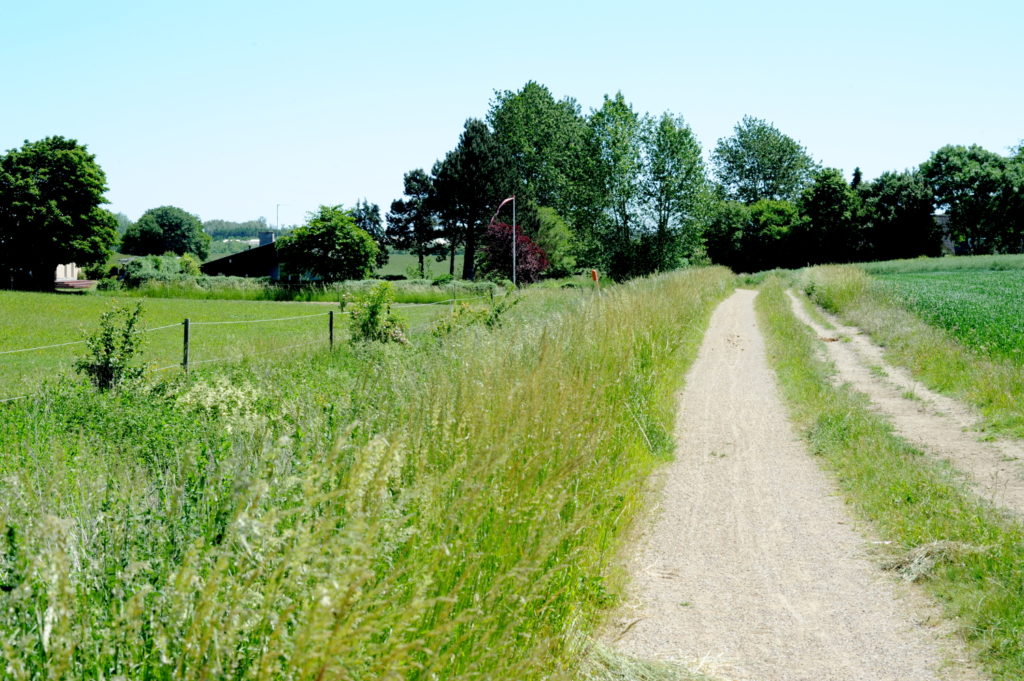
(466, 188)
(412, 225)
(167, 229)
(367, 217)
(329, 247)
(760, 162)
(983, 194)
(51, 193)
(898, 216)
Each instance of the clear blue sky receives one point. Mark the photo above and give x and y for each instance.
(227, 109)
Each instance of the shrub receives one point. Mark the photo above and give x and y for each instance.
(496, 254)
(464, 315)
(330, 247)
(189, 264)
(112, 348)
(373, 320)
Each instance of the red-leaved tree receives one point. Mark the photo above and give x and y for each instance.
(496, 254)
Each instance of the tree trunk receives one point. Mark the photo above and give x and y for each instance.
(468, 270)
(451, 259)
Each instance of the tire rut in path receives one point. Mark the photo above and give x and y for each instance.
(938, 424)
(751, 567)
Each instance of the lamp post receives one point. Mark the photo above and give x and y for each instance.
(500, 205)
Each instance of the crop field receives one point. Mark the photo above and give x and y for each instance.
(983, 309)
(925, 320)
(946, 264)
(220, 330)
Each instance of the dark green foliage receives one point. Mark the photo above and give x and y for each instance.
(983, 194)
(372, 318)
(830, 229)
(226, 229)
(467, 186)
(167, 229)
(675, 192)
(50, 197)
(155, 268)
(554, 236)
(898, 217)
(542, 145)
(113, 348)
(760, 162)
(616, 131)
(329, 247)
(367, 217)
(753, 238)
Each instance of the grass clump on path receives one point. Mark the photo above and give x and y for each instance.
(994, 385)
(911, 500)
(436, 510)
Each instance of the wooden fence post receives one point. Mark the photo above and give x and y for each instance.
(184, 356)
(330, 328)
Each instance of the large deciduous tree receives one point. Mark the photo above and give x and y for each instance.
(167, 229)
(367, 217)
(830, 229)
(898, 216)
(616, 147)
(760, 162)
(983, 194)
(674, 189)
(51, 193)
(412, 224)
(542, 145)
(329, 247)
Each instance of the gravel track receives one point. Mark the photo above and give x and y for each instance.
(750, 566)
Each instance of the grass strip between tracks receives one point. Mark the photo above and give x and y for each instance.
(973, 553)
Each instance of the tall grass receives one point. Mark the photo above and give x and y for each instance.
(946, 264)
(238, 288)
(443, 511)
(916, 502)
(995, 386)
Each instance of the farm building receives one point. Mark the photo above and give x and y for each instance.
(261, 261)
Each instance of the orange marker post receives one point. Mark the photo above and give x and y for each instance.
(596, 277)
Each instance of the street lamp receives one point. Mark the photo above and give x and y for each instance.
(500, 205)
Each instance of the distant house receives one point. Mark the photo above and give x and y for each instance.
(68, 272)
(261, 261)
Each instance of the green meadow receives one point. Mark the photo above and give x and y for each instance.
(450, 508)
(220, 330)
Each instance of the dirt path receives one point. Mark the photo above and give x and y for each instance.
(938, 424)
(751, 568)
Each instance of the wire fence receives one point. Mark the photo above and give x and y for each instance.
(188, 361)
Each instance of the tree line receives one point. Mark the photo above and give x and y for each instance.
(612, 189)
(629, 194)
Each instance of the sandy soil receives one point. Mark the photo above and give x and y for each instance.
(939, 425)
(751, 567)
